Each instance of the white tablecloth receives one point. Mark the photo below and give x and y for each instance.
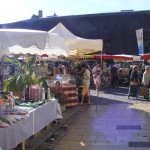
(38, 118)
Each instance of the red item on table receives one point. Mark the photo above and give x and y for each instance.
(35, 92)
(1, 102)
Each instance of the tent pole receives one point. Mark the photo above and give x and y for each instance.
(100, 82)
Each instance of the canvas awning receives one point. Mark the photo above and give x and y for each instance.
(23, 37)
(146, 56)
(128, 57)
(105, 56)
(77, 45)
(22, 41)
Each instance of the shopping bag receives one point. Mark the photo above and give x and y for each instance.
(144, 91)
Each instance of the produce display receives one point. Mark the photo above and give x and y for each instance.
(14, 109)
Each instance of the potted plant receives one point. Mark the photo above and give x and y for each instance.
(58, 94)
(23, 78)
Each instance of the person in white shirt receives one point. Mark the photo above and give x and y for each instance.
(86, 83)
(146, 81)
(146, 77)
(96, 75)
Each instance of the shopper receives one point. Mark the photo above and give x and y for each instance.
(146, 82)
(96, 75)
(133, 82)
(114, 75)
(86, 83)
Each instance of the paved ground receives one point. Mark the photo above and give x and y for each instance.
(117, 123)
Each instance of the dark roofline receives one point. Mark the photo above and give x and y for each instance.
(85, 15)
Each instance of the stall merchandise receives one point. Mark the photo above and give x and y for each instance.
(64, 84)
(71, 94)
(21, 130)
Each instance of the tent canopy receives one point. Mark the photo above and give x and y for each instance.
(22, 41)
(34, 51)
(24, 38)
(107, 56)
(146, 56)
(76, 44)
(129, 57)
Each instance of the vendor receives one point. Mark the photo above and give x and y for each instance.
(51, 69)
(60, 69)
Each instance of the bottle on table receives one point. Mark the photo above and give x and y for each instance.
(12, 100)
(48, 94)
(43, 94)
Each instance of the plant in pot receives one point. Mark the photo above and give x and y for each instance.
(23, 78)
(58, 93)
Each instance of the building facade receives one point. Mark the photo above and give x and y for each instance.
(116, 29)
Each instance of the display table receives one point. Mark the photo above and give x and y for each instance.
(38, 118)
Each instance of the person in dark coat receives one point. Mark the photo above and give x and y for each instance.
(133, 82)
(114, 76)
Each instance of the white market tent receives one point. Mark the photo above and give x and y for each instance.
(60, 49)
(77, 45)
(56, 46)
(22, 41)
(23, 37)
(58, 41)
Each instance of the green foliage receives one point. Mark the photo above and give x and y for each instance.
(25, 76)
(15, 83)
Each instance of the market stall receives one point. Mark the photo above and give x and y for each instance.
(77, 47)
(23, 37)
(119, 61)
(64, 87)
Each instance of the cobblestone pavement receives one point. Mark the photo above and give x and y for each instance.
(117, 123)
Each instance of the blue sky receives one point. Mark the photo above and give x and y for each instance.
(16, 10)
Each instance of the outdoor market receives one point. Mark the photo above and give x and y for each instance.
(42, 72)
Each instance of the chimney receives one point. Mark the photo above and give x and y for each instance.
(40, 15)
